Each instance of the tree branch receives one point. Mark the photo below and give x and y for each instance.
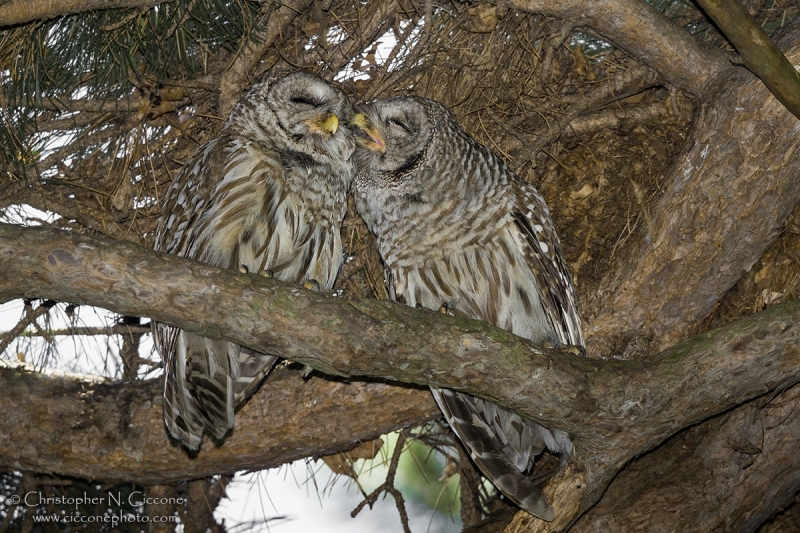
(725, 201)
(29, 318)
(118, 329)
(645, 34)
(757, 50)
(750, 455)
(613, 117)
(276, 17)
(21, 11)
(50, 198)
(615, 410)
(375, 17)
(115, 432)
(714, 184)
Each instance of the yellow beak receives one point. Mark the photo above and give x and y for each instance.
(330, 124)
(367, 134)
(326, 123)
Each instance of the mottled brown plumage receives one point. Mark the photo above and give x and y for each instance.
(457, 229)
(267, 195)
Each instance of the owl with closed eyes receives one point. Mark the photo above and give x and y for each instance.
(267, 195)
(458, 231)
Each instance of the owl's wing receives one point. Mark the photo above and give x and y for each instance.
(189, 196)
(204, 379)
(542, 251)
(502, 443)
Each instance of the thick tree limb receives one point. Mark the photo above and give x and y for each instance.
(725, 201)
(757, 50)
(582, 118)
(727, 474)
(615, 410)
(613, 117)
(21, 11)
(644, 33)
(678, 316)
(116, 432)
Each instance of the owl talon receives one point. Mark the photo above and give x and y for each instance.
(448, 307)
(572, 349)
(267, 273)
(312, 285)
(243, 269)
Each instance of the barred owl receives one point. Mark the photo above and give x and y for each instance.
(459, 232)
(267, 195)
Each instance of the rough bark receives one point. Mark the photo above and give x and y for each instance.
(115, 432)
(376, 338)
(22, 11)
(757, 50)
(615, 410)
(725, 202)
(741, 135)
(728, 474)
(161, 509)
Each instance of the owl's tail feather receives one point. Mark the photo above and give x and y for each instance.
(180, 410)
(208, 380)
(503, 445)
(253, 368)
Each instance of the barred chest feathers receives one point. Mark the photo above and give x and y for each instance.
(257, 221)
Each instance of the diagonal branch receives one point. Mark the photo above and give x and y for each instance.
(757, 50)
(30, 317)
(277, 16)
(645, 34)
(730, 473)
(725, 201)
(375, 18)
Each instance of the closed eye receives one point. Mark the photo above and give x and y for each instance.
(401, 124)
(302, 100)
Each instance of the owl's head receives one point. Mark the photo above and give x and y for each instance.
(414, 158)
(406, 149)
(410, 150)
(309, 114)
(392, 136)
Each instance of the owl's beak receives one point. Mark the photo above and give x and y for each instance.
(367, 134)
(326, 123)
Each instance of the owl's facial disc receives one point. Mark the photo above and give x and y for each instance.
(308, 108)
(367, 135)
